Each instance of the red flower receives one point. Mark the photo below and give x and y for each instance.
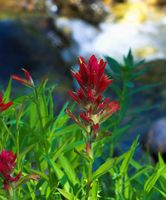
(106, 109)
(28, 81)
(93, 82)
(91, 79)
(4, 106)
(7, 164)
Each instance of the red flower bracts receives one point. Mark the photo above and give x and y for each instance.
(28, 81)
(93, 82)
(7, 164)
(4, 106)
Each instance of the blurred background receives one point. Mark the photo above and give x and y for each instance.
(47, 37)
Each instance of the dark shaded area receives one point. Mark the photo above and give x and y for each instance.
(28, 48)
(13, 53)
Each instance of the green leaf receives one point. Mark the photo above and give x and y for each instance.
(61, 119)
(143, 88)
(115, 67)
(141, 62)
(40, 174)
(60, 174)
(150, 183)
(128, 157)
(73, 145)
(3, 194)
(27, 178)
(51, 104)
(129, 84)
(31, 191)
(141, 171)
(104, 168)
(33, 119)
(129, 61)
(3, 197)
(28, 148)
(65, 147)
(162, 180)
(42, 85)
(69, 170)
(142, 109)
(56, 152)
(64, 130)
(95, 189)
(161, 161)
(7, 93)
(66, 194)
(43, 108)
(161, 192)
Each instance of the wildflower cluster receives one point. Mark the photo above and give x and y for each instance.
(95, 109)
(7, 164)
(36, 142)
(8, 158)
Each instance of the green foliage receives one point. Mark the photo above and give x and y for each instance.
(126, 87)
(51, 150)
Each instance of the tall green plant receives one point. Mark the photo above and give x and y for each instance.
(54, 155)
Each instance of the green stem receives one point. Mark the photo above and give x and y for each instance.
(36, 95)
(89, 175)
(90, 170)
(17, 144)
(37, 107)
(121, 102)
(89, 183)
(50, 178)
(8, 131)
(18, 152)
(12, 194)
(119, 187)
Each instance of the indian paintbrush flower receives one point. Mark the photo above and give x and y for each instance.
(28, 81)
(95, 108)
(4, 106)
(7, 165)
